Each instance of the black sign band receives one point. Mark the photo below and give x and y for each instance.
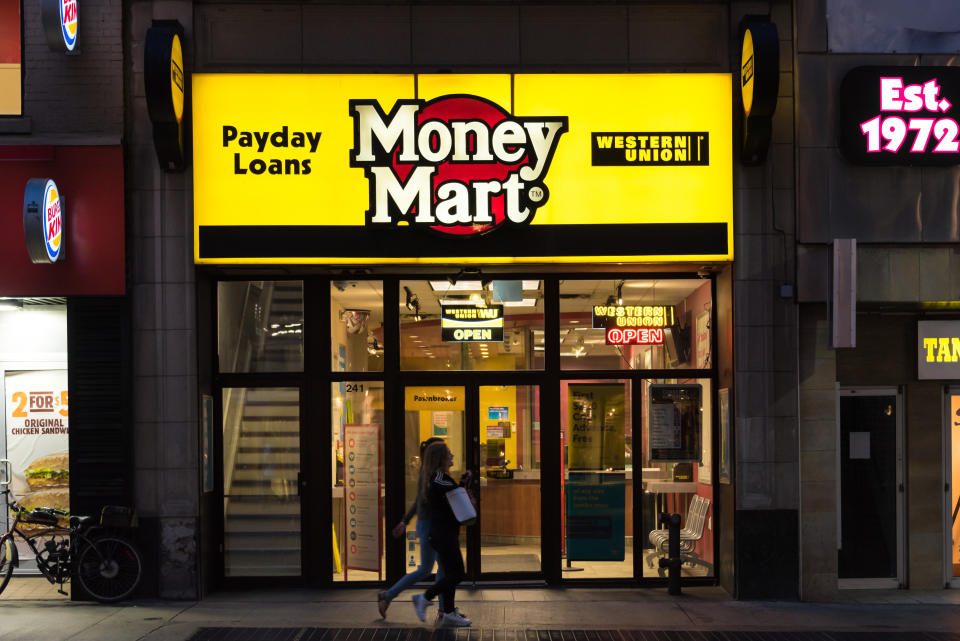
(299, 241)
(900, 116)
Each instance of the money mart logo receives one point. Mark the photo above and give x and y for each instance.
(458, 164)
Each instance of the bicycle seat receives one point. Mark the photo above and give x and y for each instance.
(79, 521)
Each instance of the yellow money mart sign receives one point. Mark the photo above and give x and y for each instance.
(493, 168)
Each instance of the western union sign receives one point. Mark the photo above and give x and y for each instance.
(492, 168)
(471, 324)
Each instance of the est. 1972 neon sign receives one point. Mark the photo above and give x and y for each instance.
(900, 116)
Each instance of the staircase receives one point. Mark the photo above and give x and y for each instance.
(262, 505)
(262, 442)
(280, 347)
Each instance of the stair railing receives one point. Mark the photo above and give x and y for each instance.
(251, 336)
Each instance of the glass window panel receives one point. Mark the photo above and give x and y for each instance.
(260, 326)
(682, 487)
(953, 425)
(597, 491)
(356, 322)
(261, 464)
(635, 324)
(357, 481)
(422, 344)
(11, 59)
(509, 478)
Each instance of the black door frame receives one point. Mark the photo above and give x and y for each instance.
(855, 391)
(315, 383)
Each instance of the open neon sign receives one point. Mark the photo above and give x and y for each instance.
(634, 336)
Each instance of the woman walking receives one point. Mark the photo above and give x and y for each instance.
(444, 535)
(428, 556)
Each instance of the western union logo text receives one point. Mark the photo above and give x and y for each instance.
(463, 313)
(942, 350)
(650, 148)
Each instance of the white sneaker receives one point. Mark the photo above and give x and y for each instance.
(453, 619)
(420, 604)
(440, 615)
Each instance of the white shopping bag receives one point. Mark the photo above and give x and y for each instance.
(462, 506)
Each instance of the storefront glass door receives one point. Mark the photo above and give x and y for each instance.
(501, 448)
(431, 412)
(358, 482)
(509, 484)
(870, 549)
(596, 490)
(261, 489)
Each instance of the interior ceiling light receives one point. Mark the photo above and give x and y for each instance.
(526, 302)
(531, 285)
(457, 286)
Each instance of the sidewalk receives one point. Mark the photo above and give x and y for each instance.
(883, 614)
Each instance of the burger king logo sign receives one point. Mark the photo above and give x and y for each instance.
(457, 164)
(43, 212)
(60, 24)
(68, 22)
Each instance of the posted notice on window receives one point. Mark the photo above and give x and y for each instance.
(362, 496)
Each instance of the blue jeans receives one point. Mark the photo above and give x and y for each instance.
(428, 556)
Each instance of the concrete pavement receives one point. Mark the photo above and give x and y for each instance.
(24, 617)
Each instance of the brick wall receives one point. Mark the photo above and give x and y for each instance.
(78, 94)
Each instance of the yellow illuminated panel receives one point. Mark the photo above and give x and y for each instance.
(321, 188)
(633, 103)
(284, 150)
(494, 87)
(944, 349)
(10, 89)
(433, 399)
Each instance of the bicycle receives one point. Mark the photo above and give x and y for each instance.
(107, 565)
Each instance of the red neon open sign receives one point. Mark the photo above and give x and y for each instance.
(634, 336)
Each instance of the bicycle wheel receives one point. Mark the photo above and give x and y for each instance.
(109, 569)
(6, 561)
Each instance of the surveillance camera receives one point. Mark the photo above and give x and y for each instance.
(343, 284)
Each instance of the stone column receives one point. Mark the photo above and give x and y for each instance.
(160, 215)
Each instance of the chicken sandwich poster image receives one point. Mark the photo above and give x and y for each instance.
(37, 419)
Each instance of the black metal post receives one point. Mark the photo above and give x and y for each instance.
(672, 562)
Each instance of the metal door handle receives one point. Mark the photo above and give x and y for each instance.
(5, 469)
